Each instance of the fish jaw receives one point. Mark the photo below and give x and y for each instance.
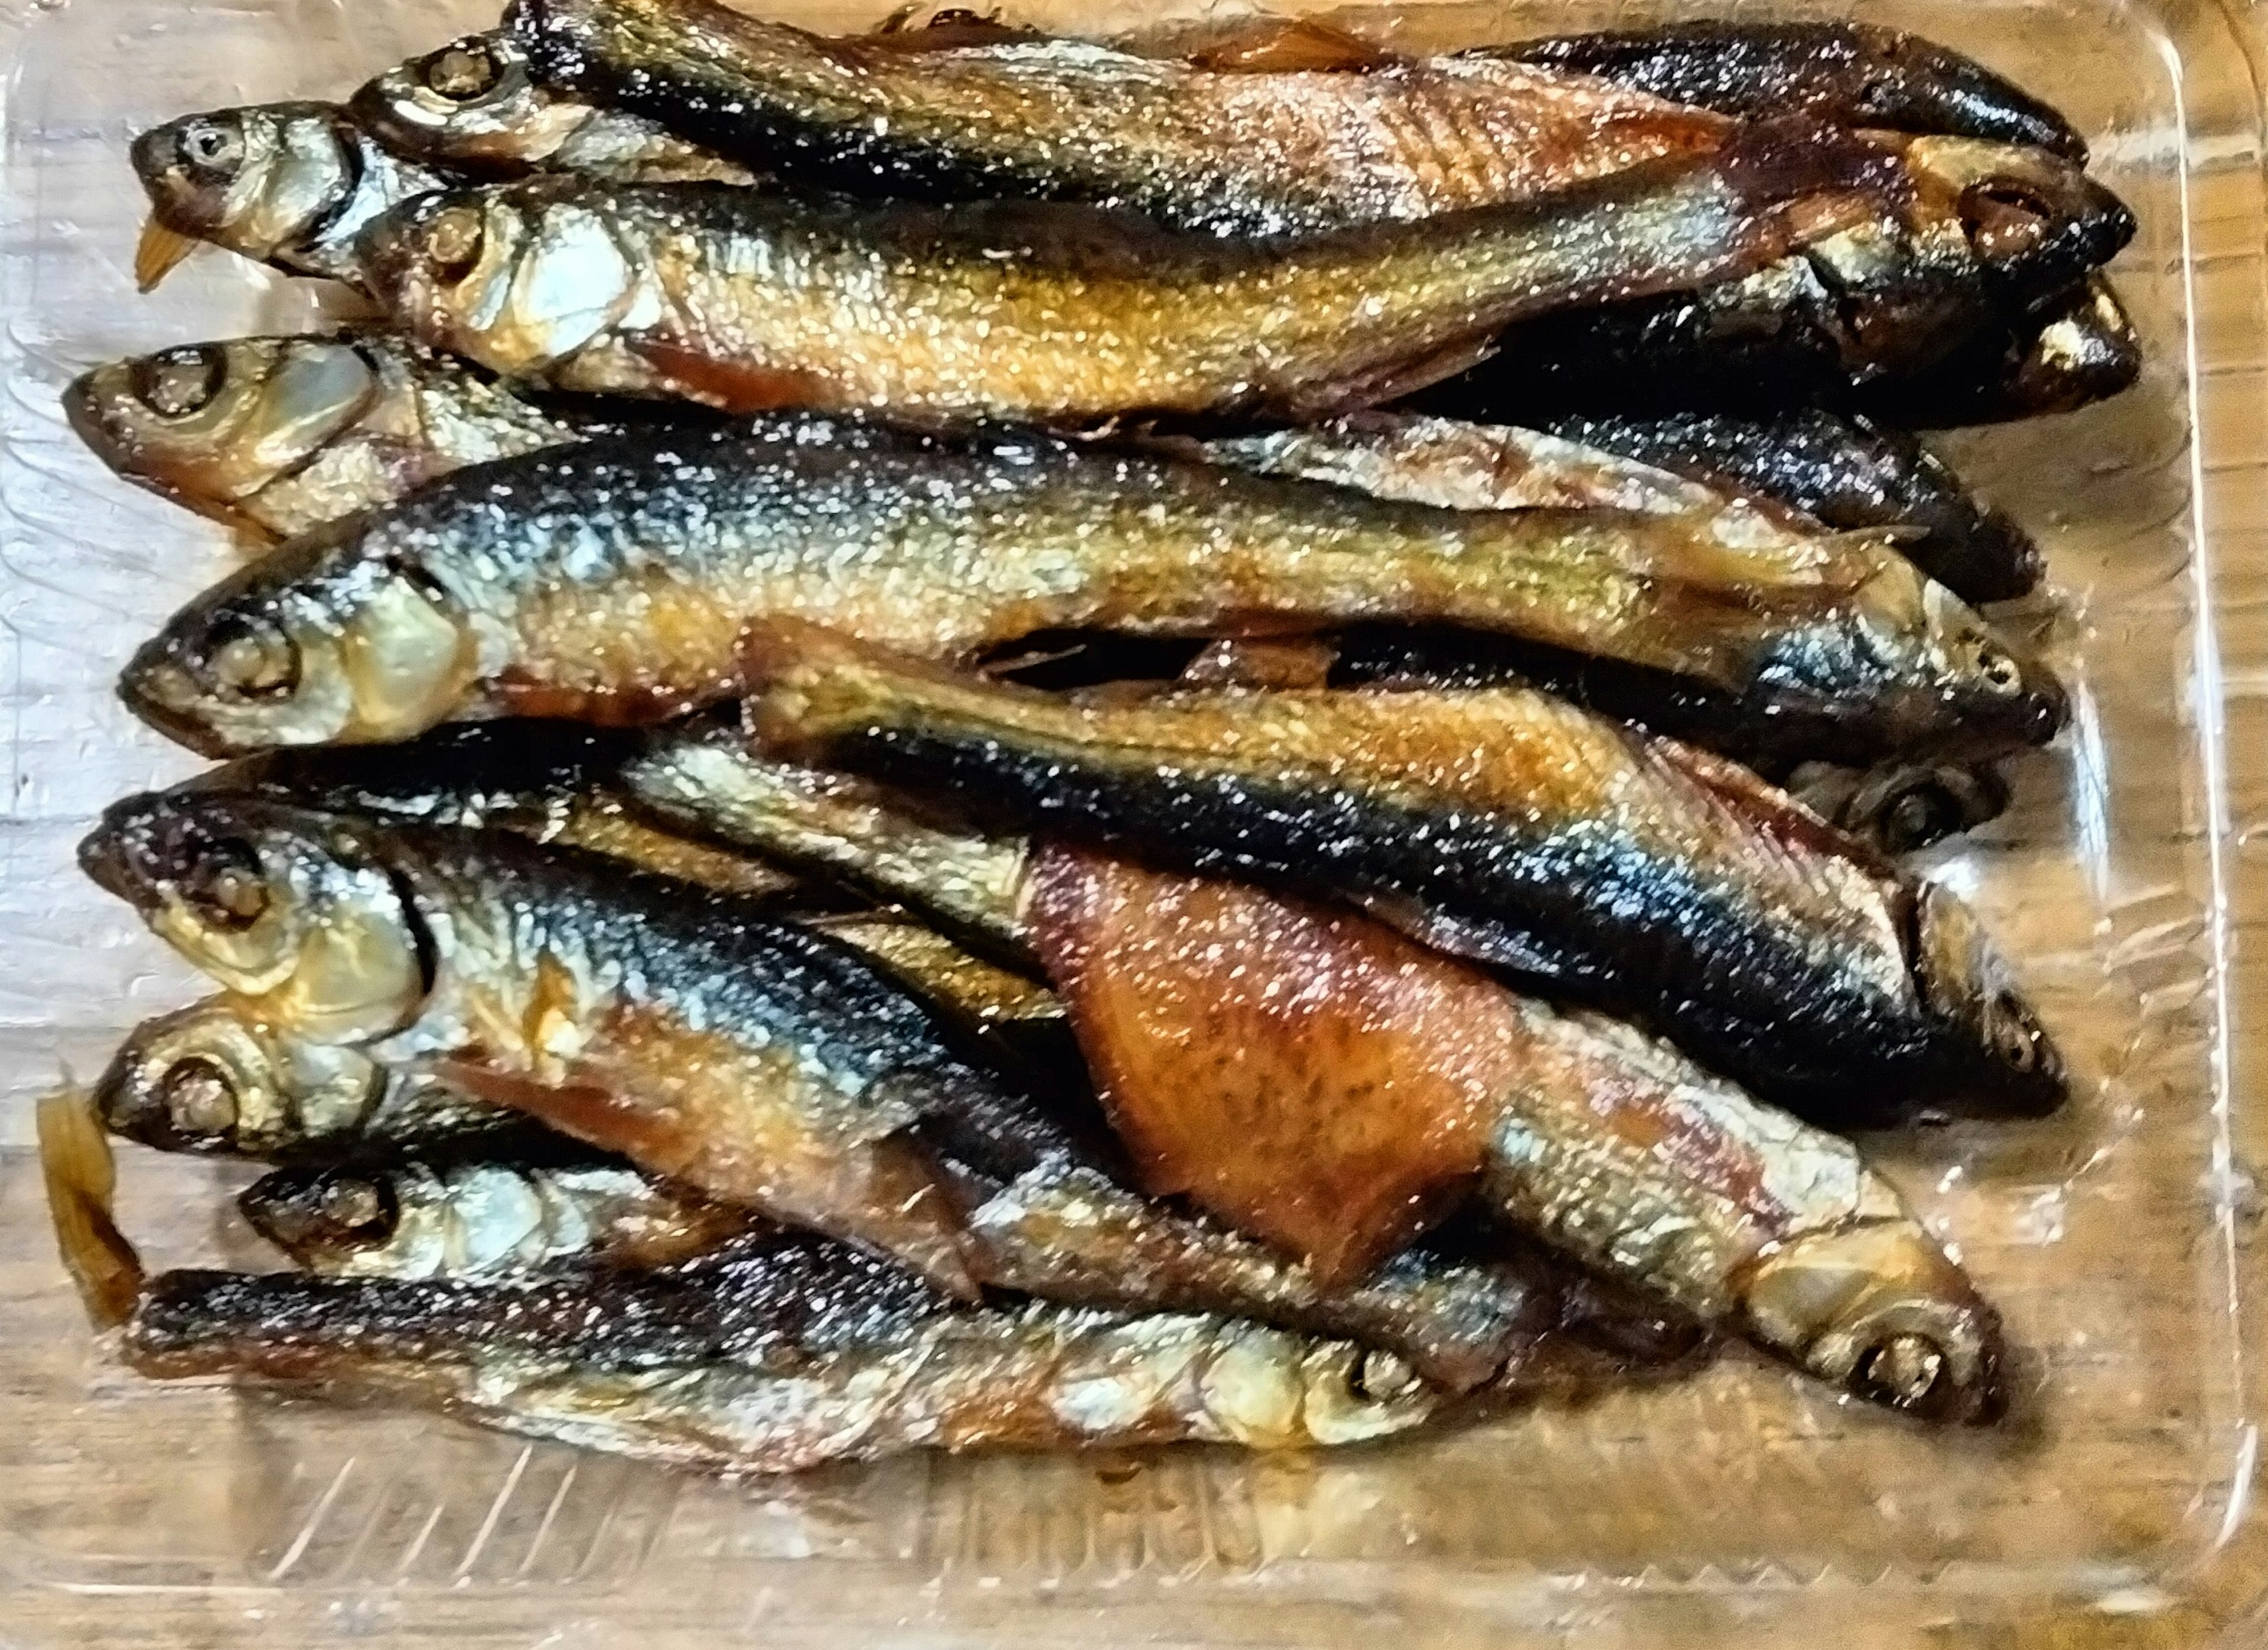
(2000, 1061)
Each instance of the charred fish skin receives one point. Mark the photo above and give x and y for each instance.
(1044, 310)
(280, 435)
(1844, 471)
(2077, 350)
(611, 581)
(473, 106)
(776, 1362)
(290, 184)
(1225, 153)
(1621, 871)
(1854, 74)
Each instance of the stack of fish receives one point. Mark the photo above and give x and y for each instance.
(867, 801)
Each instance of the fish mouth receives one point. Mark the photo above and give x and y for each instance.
(159, 689)
(83, 412)
(109, 853)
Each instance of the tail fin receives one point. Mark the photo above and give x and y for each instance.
(82, 1181)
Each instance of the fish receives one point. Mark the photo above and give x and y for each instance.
(1287, 1066)
(1849, 74)
(482, 1218)
(1903, 807)
(290, 185)
(2071, 353)
(1842, 469)
(697, 1035)
(275, 436)
(1617, 871)
(217, 1079)
(1851, 317)
(471, 108)
(610, 582)
(749, 299)
(1203, 147)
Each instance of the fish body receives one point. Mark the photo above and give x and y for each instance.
(471, 108)
(293, 184)
(1851, 74)
(611, 582)
(1627, 872)
(748, 300)
(1240, 153)
(278, 435)
(1842, 470)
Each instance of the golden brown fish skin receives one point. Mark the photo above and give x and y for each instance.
(749, 300)
(471, 108)
(1226, 152)
(1630, 872)
(275, 436)
(465, 600)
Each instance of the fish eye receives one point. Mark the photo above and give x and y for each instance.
(453, 241)
(251, 658)
(199, 1097)
(227, 886)
(1917, 819)
(1999, 668)
(463, 72)
(352, 1203)
(1903, 1371)
(211, 149)
(175, 383)
(2013, 1036)
(2005, 219)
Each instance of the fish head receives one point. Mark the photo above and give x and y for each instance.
(2000, 1060)
(212, 424)
(515, 276)
(473, 102)
(287, 908)
(1908, 83)
(1998, 696)
(323, 1217)
(210, 1079)
(1903, 807)
(257, 181)
(2035, 221)
(1877, 1309)
(312, 644)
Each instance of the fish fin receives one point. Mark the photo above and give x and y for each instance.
(626, 705)
(158, 253)
(1783, 818)
(1255, 662)
(1391, 381)
(734, 387)
(774, 650)
(82, 1181)
(1264, 45)
(1514, 951)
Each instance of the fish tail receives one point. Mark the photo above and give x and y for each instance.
(81, 1182)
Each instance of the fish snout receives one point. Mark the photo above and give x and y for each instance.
(188, 167)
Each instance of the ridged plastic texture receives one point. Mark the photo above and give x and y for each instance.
(1742, 1507)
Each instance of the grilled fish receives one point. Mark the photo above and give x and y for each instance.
(746, 299)
(1902, 807)
(289, 184)
(2073, 353)
(473, 108)
(1261, 1054)
(610, 582)
(1630, 873)
(748, 1059)
(1239, 153)
(277, 435)
(1844, 472)
(482, 1218)
(1849, 74)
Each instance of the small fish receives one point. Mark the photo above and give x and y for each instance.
(1630, 873)
(749, 300)
(275, 436)
(1365, 1065)
(482, 1218)
(1902, 807)
(289, 184)
(1848, 74)
(217, 1079)
(2079, 350)
(471, 108)
(1221, 148)
(1844, 471)
(610, 582)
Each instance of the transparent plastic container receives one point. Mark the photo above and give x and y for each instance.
(1743, 1507)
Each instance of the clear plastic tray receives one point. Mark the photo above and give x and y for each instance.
(1742, 1507)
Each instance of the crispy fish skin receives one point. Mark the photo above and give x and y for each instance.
(611, 581)
(1631, 874)
(1611, 1147)
(1240, 153)
(293, 184)
(482, 1218)
(1853, 74)
(1842, 469)
(749, 300)
(275, 436)
(471, 108)
(778, 1360)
